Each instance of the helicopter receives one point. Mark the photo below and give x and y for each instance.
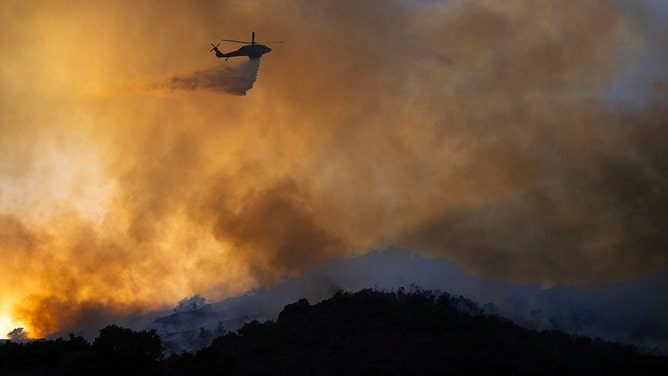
(251, 49)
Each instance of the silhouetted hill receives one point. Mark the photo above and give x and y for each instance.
(372, 332)
(364, 333)
(634, 312)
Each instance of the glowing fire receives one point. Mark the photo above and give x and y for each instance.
(7, 324)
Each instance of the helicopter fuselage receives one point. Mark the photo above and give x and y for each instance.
(253, 51)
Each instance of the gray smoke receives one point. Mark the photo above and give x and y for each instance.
(230, 78)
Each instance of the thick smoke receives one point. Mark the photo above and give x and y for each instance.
(492, 134)
(590, 219)
(274, 232)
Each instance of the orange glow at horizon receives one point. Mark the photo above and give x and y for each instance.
(465, 130)
(8, 324)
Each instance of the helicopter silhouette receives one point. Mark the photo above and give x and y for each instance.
(252, 50)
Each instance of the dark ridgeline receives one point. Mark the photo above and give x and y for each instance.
(115, 351)
(363, 333)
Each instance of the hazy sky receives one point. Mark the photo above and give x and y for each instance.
(524, 140)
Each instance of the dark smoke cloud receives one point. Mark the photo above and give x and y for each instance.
(274, 231)
(479, 131)
(597, 215)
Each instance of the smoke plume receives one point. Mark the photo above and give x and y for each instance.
(234, 79)
(510, 138)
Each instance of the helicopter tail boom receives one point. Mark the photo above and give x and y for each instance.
(218, 53)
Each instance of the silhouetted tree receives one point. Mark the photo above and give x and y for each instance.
(18, 334)
(45, 357)
(121, 349)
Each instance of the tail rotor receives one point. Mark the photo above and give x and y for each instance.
(218, 53)
(214, 47)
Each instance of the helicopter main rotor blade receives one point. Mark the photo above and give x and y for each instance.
(235, 41)
(269, 42)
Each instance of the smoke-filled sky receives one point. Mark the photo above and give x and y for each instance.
(524, 140)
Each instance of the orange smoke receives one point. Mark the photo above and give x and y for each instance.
(475, 131)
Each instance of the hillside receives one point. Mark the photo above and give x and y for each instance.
(372, 332)
(633, 312)
(367, 332)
